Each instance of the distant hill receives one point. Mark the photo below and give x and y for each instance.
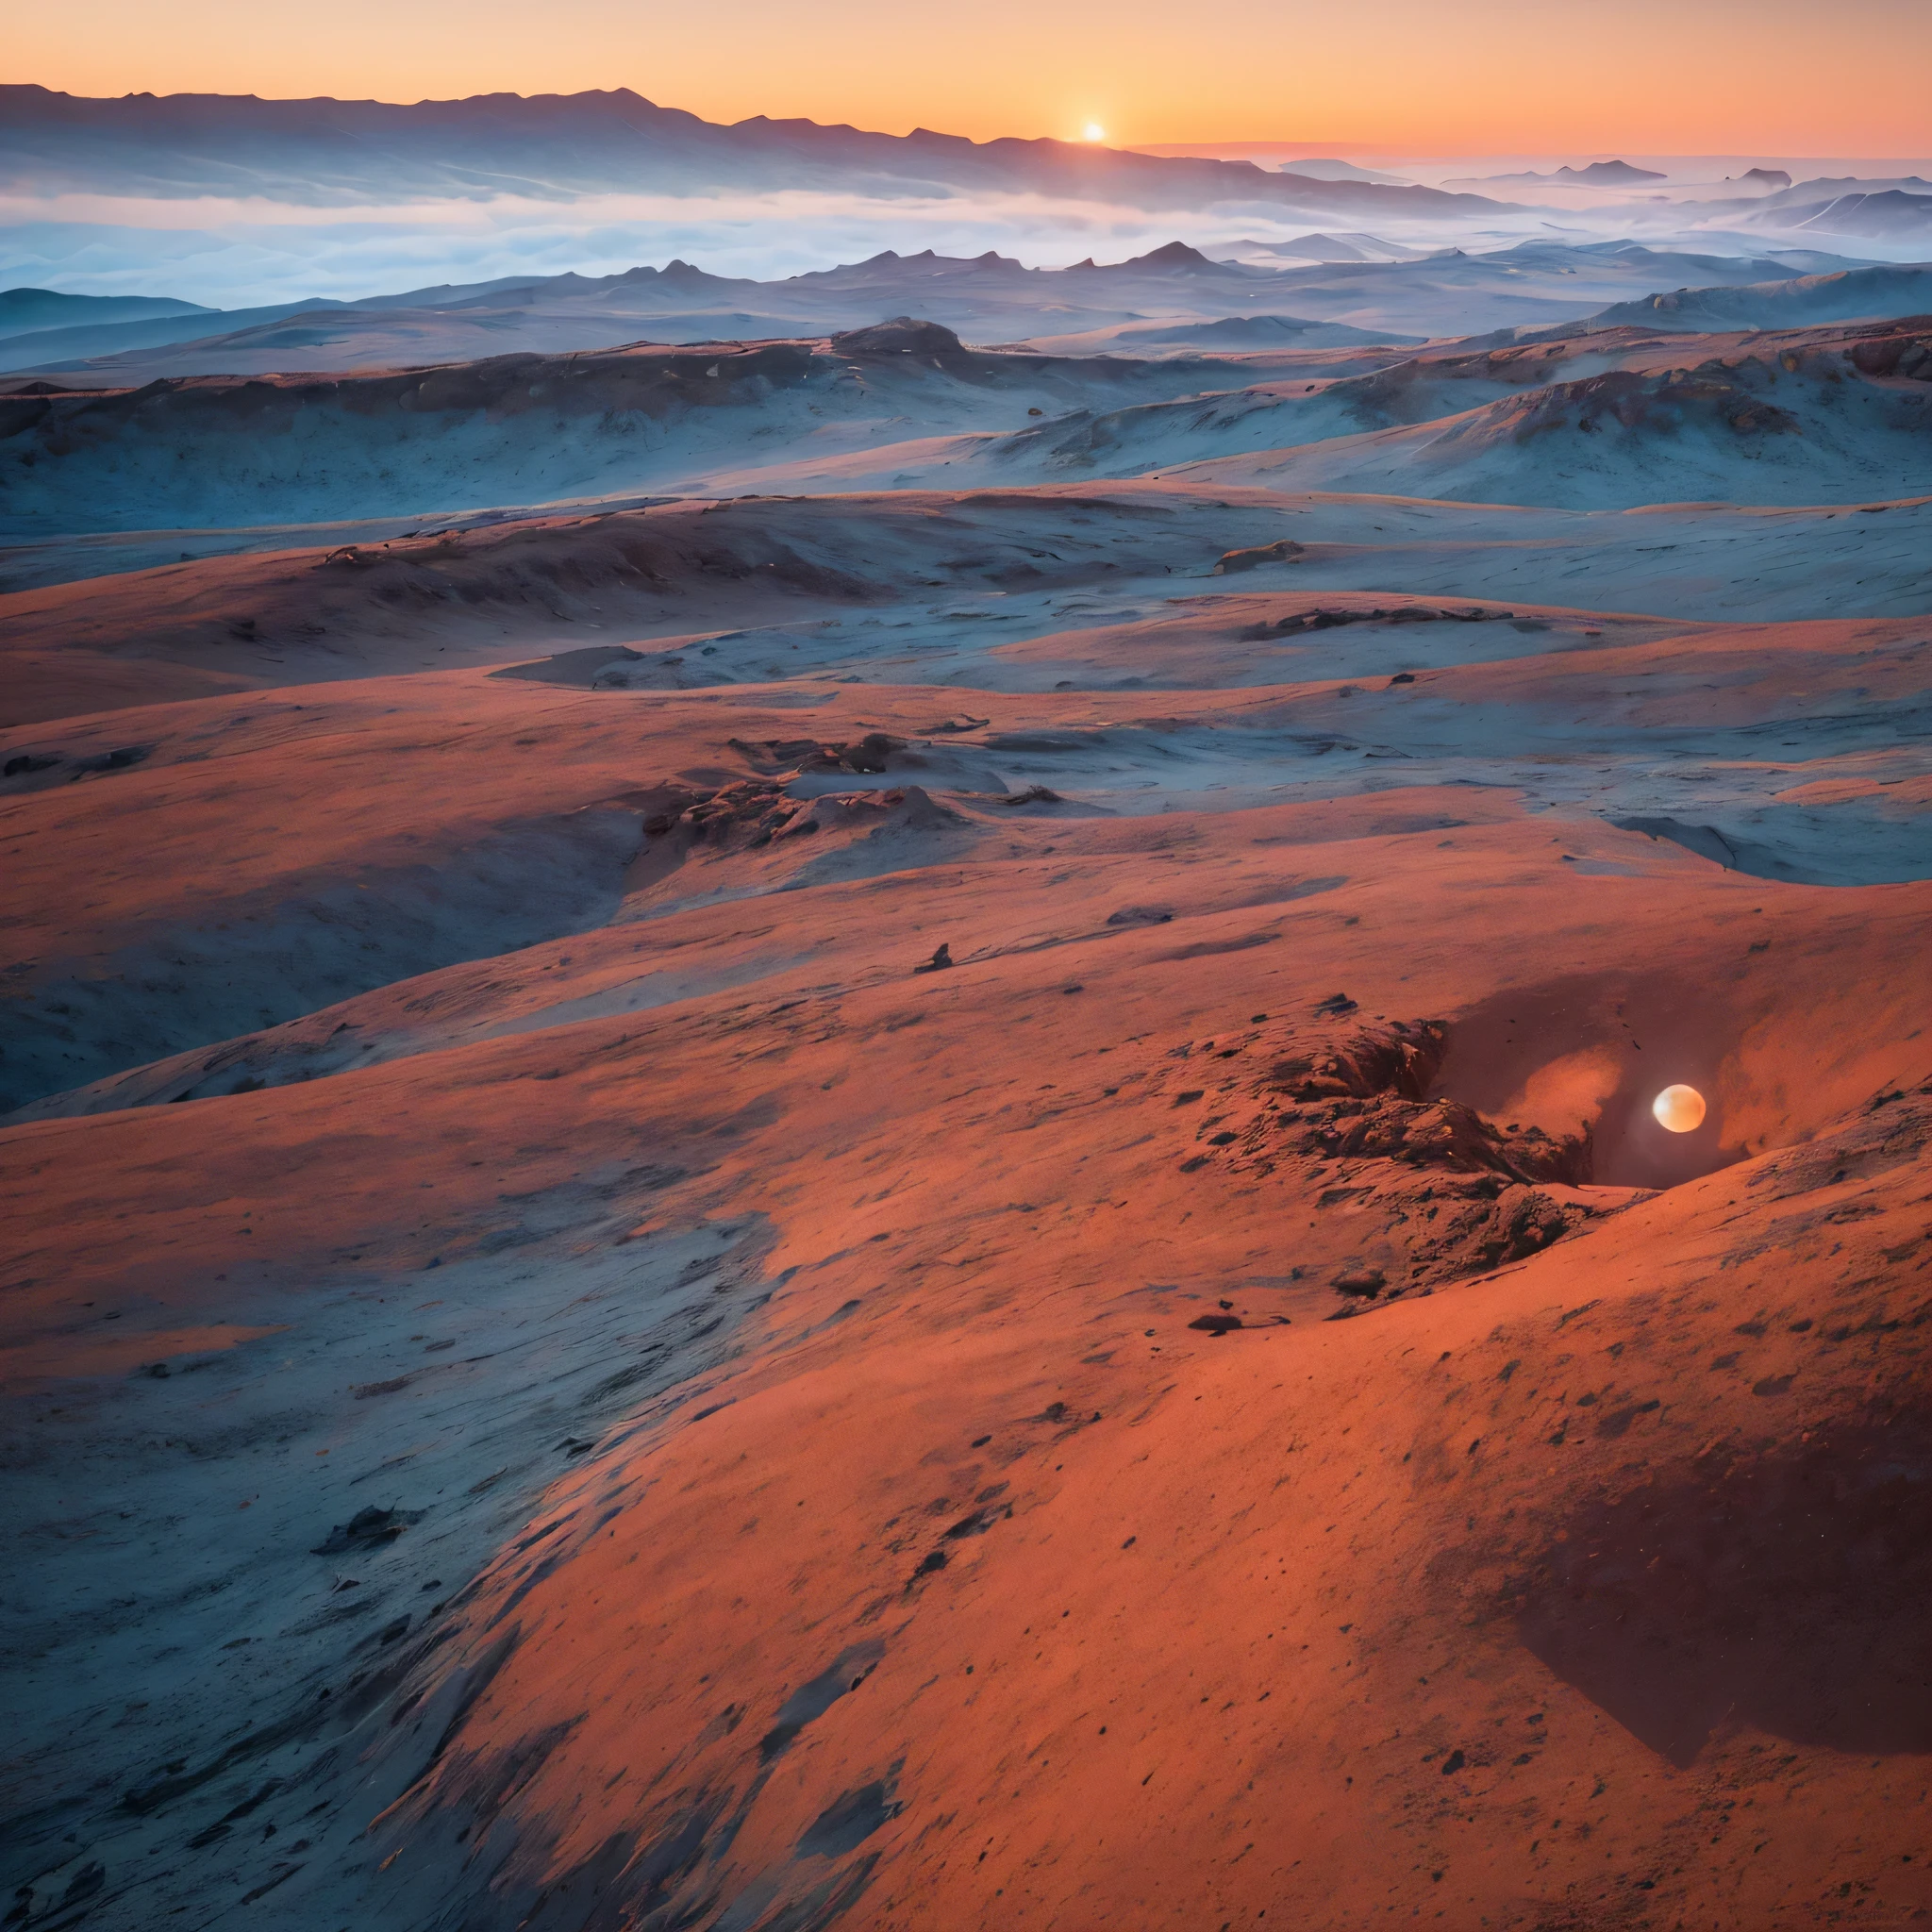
(1324, 169)
(1799, 201)
(23, 310)
(1325, 248)
(1249, 332)
(1860, 294)
(182, 322)
(1609, 174)
(1890, 214)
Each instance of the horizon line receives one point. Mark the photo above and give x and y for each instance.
(1308, 148)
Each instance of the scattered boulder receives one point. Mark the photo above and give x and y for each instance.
(1405, 1059)
(871, 755)
(845, 812)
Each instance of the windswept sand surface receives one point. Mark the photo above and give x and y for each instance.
(937, 1208)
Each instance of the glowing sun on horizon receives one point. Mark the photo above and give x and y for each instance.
(1093, 131)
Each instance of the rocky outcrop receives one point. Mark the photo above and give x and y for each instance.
(904, 335)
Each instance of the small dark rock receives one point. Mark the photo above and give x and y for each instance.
(1216, 1324)
(1368, 1282)
(367, 1530)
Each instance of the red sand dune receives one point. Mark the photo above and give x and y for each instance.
(1514, 1597)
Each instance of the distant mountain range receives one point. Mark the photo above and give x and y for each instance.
(1886, 210)
(1596, 175)
(559, 146)
(1171, 297)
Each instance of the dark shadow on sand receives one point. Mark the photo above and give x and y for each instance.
(1790, 1592)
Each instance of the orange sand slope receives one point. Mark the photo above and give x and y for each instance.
(958, 1225)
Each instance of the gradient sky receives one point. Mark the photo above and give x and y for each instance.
(1714, 76)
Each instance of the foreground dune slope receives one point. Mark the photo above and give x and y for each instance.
(796, 1491)
(1576, 1597)
(936, 1207)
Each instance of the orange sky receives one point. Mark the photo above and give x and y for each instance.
(1716, 76)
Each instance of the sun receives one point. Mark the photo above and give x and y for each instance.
(1679, 1109)
(1093, 131)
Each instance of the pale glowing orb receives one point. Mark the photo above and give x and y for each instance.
(1093, 131)
(1679, 1109)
